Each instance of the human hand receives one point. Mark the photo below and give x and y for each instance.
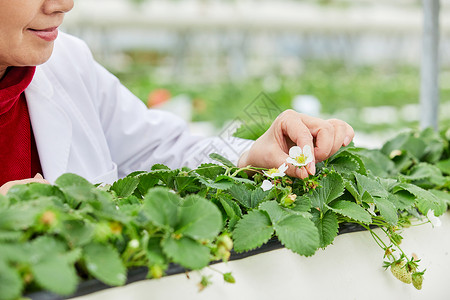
(290, 129)
(5, 188)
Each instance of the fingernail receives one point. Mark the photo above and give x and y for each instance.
(303, 173)
(311, 168)
(347, 141)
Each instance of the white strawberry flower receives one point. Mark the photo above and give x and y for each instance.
(299, 157)
(134, 244)
(371, 209)
(280, 172)
(435, 221)
(266, 185)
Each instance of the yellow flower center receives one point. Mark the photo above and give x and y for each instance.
(272, 171)
(301, 159)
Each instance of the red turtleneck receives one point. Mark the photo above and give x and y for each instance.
(19, 158)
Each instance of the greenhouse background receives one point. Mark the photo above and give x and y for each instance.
(355, 60)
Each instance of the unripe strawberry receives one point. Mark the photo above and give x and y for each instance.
(48, 218)
(228, 277)
(399, 270)
(288, 200)
(223, 253)
(102, 232)
(225, 241)
(116, 228)
(204, 283)
(417, 280)
(156, 271)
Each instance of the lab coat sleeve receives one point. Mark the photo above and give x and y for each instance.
(139, 137)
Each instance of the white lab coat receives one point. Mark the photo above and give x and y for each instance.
(86, 122)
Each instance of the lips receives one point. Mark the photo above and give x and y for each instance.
(48, 34)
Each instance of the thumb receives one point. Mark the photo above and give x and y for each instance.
(38, 176)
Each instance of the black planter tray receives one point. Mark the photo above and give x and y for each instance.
(138, 274)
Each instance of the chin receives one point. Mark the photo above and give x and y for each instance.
(43, 56)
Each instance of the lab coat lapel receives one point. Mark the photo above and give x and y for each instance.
(52, 126)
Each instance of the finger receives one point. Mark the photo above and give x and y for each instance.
(301, 173)
(324, 133)
(350, 134)
(292, 126)
(39, 176)
(340, 135)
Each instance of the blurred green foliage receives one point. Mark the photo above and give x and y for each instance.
(337, 85)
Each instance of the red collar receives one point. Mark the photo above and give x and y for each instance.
(13, 84)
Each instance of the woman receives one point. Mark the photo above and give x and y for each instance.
(62, 112)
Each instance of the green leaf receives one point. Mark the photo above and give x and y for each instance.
(274, 210)
(258, 196)
(444, 166)
(345, 164)
(10, 282)
(9, 236)
(146, 182)
(301, 204)
(376, 162)
(155, 253)
(157, 167)
(56, 275)
(186, 183)
(165, 175)
(395, 143)
(77, 233)
(350, 186)
(210, 171)
(18, 217)
(298, 234)
(76, 189)
(439, 207)
(186, 252)
(4, 202)
(425, 199)
(125, 187)
(387, 210)
(444, 200)
(71, 180)
(328, 227)
(219, 158)
(220, 183)
(402, 199)
(371, 185)
(46, 246)
(161, 206)
(103, 262)
(231, 208)
(14, 252)
(332, 187)
(351, 210)
(199, 218)
(242, 194)
(253, 230)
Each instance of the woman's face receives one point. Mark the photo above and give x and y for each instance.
(28, 29)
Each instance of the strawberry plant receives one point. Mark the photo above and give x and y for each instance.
(54, 236)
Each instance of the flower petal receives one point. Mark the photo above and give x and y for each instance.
(308, 160)
(292, 161)
(307, 151)
(371, 209)
(435, 221)
(268, 175)
(295, 151)
(283, 168)
(266, 185)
